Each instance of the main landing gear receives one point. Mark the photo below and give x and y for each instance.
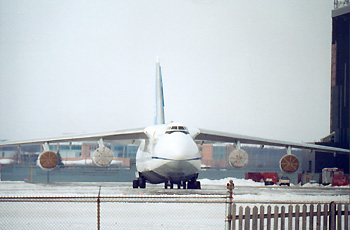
(139, 183)
(192, 184)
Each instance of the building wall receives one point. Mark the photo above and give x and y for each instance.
(340, 95)
(207, 151)
(340, 77)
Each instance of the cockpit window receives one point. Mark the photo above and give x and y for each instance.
(174, 128)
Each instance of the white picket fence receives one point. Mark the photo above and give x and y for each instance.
(294, 216)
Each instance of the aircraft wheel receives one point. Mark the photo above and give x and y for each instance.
(142, 184)
(135, 184)
(198, 184)
(194, 185)
(191, 185)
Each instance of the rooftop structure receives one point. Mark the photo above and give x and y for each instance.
(341, 3)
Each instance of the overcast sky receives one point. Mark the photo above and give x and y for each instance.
(258, 68)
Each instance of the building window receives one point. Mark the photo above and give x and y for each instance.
(219, 152)
(118, 150)
(310, 167)
(64, 147)
(76, 147)
(131, 151)
(53, 148)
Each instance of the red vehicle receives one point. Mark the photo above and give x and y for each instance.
(334, 176)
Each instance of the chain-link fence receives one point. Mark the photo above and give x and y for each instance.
(117, 212)
(167, 212)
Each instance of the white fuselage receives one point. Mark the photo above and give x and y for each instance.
(169, 154)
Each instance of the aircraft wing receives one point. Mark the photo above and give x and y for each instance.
(134, 134)
(214, 136)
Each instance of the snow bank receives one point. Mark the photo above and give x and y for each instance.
(79, 162)
(6, 161)
(237, 182)
(309, 185)
(89, 162)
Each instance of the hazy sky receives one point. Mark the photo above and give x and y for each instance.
(258, 68)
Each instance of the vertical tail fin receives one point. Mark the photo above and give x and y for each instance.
(159, 119)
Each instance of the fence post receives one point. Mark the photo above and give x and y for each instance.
(262, 217)
(318, 225)
(303, 226)
(268, 222)
(297, 209)
(346, 216)
(247, 218)
(233, 223)
(325, 216)
(283, 215)
(255, 218)
(240, 218)
(230, 187)
(311, 217)
(275, 218)
(98, 209)
(332, 216)
(290, 217)
(339, 216)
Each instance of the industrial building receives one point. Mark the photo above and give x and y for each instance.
(314, 162)
(340, 78)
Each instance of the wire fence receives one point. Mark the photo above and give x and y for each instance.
(117, 212)
(168, 212)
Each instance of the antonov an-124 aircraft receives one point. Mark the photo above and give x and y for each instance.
(168, 153)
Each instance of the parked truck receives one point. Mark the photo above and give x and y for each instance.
(334, 176)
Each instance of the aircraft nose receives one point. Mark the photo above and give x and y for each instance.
(178, 147)
(183, 153)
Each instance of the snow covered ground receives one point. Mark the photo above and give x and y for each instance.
(244, 191)
(88, 162)
(250, 191)
(148, 214)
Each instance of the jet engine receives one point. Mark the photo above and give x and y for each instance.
(289, 163)
(47, 160)
(103, 156)
(238, 158)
